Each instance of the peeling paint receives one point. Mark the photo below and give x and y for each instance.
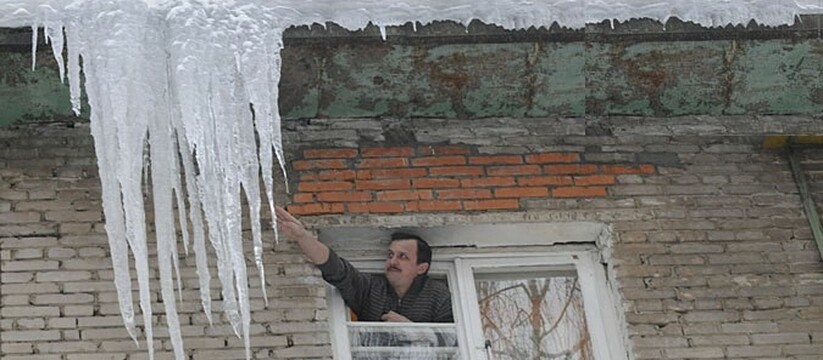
(32, 96)
(356, 76)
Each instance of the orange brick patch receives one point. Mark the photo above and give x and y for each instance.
(320, 164)
(387, 152)
(393, 180)
(575, 191)
(546, 158)
(439, 161)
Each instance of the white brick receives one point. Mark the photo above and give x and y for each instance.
(29, 311)
(19, 277)
(96, 356)
(16, 348)
(61, 253)
(63, 299)
(31, 335)
(31, 324)
(23, 254)
(695, 353)
(32, 357)
(784, 338)
(13, 300)
(28, 242)
(61, 276)
(66, 347)
(78, 310)
(29, 288)
(30, 265)
(62, 323)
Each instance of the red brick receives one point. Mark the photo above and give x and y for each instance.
(383, 163)
(328, 175)
(435, 183)
(439, 161)
(544, 180)
(575, 169)
(443, 150)
(456, 171)
(518, 192)
(488, 181)
(385, 207)
(496, 160)
(575, 191)
(320, 164)
(433, 205)
(594, 180)
(464, 194)
(627, 169)
(357, 207)
(491, 204)
(314, 209)
(303, 198)
(344, 196)
(391, 174)
(547, 158)
(324, 186)
(514, 170)
(389, 184)
(387, 151)
(330, 153)
(394, 195)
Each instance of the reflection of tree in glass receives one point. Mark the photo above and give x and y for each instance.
(534, 319)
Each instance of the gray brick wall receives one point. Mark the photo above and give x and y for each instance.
(57, 294)
(712, 252)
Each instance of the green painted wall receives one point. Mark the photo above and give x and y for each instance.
(531, 76)
(29, 96)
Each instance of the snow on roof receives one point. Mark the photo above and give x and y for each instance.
(355, 14)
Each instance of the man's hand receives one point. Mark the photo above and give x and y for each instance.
(289, 225)
(294, 229)
(392, 316)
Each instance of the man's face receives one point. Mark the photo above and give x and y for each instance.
(401, 263)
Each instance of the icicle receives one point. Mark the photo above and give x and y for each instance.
(382, 31)
(56, 40)
(106, 144)
(162, 174)
(74, 67)
(195, 212)
(33, 47)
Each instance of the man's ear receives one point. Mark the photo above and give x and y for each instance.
(422, 268)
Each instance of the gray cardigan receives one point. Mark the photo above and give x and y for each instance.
(370, 295)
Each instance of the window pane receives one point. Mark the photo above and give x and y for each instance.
(372, 341)
(528, 317)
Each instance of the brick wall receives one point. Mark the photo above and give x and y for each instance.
(712, 253)
(444, 178)
(58, 298)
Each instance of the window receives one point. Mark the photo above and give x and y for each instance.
(507, 306)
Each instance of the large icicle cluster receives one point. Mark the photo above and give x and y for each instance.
(197, 81)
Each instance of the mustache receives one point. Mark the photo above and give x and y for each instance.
(393, 268)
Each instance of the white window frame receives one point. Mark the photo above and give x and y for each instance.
(599, 303)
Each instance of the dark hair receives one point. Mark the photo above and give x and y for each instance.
(424, 251)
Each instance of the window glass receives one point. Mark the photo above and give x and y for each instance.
(372, 341)
(533, 317)
(402, 341)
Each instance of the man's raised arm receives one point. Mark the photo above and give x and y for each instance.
(316, 251)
